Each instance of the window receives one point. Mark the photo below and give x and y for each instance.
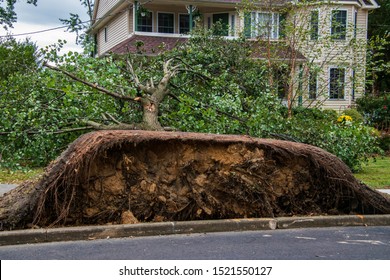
(336, 83)
(145, 22)
(221, 22)
(166, 23)
(339, 24)
(184, 24)
(105, 35)
(314, 21)
(312, 86)
(265, 25)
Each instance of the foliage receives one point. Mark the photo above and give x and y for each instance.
(223, 92)
(7, 12)
(16, 57)
(354, 143)
(376, 111)
(218, 88)
(379, 49)
(354, 114)
(41, 113)
(78, 26)
(378, 64)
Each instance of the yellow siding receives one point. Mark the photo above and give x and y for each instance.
(362, 21)
(117, 31)
(105, 6)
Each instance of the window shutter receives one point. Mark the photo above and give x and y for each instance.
(247, 25)
(282, 25)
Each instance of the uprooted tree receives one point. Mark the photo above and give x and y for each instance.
(118, 176)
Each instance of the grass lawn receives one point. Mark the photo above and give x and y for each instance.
(16, 177)
(376, 173)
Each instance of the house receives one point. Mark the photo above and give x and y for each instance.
(324, 41)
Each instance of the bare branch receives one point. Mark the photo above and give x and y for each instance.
(136, 80)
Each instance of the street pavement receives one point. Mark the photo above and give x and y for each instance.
(335, 243)
(6, 188)
(73, 234)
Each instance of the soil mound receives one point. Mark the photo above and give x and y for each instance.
(142, 176)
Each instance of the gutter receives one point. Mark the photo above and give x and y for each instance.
(114, 11)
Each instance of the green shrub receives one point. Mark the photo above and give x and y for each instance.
(384, 141)
(354, 114)
(352, 142)
(376, 111)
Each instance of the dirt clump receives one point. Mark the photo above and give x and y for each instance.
(138, 176)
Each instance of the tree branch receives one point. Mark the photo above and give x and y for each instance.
(89, 84)
(61, 131)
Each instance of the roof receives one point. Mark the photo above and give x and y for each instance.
(147, 45)
(153, 45)
(279, 51)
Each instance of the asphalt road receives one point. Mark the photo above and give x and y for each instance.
(347, 243)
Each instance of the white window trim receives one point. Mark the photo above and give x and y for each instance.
(254, 24)
(346, 24)
(344, 83)
(174, 22)
(232, 27)
(178, 21)
(152, 13)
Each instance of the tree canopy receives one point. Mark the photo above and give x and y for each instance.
(7, 12)
(208, 85)
(379, 49)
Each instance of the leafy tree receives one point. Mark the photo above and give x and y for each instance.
(78, 26)
(7, 12)
(16, 56)
(379, 49)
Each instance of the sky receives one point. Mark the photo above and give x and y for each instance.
(44, 16)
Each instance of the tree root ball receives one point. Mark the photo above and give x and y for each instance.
(142, 176)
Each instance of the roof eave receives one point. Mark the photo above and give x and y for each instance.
(100, 22)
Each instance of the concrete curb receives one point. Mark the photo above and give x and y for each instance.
(168, 228)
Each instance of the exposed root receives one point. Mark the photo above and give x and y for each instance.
(140, 176)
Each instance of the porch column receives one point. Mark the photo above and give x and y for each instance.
(191, 21)
(190, 10)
